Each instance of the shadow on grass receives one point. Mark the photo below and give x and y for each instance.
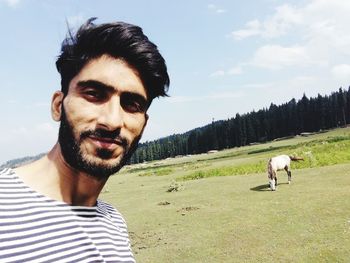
(263, 187)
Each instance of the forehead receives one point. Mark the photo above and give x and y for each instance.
(113, 72)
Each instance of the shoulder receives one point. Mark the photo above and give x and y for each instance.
(105, 206)
(7, 173)
(109, 210)
(113, 216)
(8, 178)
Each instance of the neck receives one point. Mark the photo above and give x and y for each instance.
(53, 177)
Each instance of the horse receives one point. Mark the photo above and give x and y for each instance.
(277, 163)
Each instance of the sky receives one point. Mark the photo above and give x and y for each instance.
(223, 56)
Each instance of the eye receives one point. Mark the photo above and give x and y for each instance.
(94, 94)
(133, 103)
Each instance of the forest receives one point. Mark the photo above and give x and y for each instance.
(277, 121)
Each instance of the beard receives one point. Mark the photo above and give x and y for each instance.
(96, 166)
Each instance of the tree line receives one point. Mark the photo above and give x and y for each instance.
(276, 121)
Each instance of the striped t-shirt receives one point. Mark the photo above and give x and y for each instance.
(35, 228)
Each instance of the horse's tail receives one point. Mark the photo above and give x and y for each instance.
(296, 158)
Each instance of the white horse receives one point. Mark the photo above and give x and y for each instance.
(280, 162)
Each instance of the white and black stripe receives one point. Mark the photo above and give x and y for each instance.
(35, 228)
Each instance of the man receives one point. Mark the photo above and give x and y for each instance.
(49, 209)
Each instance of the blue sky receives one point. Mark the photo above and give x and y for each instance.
(223, 57)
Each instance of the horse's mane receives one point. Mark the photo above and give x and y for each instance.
(269, 168)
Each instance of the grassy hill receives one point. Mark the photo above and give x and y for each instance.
(21, 161)
(218, 208)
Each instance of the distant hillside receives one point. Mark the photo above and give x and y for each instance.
(21, 161)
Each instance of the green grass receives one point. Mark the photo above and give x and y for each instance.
(228, 218)
(157, 172)
(226, 171)
(317, 153)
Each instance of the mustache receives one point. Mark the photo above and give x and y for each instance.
(101, 133)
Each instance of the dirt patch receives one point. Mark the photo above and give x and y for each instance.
(188, 209)
(174, 187)
(164, 203)
(145, 240)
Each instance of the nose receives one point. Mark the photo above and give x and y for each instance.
(111, 115)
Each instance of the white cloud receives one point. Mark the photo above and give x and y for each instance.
(253, 28)
(325, 26)
(316, 33)
(231, 71)
(276, 25)
(235, 71)
(219, 11)
(277, 57)
(11, 3)
(216, 9)
(217, 73)
(285, 18)
(341, 73)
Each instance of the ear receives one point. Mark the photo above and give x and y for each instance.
(56, 105)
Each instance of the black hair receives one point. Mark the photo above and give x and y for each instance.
(119, 40)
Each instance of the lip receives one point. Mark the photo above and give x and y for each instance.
(105, 142)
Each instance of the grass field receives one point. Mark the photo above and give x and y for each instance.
(218, 207)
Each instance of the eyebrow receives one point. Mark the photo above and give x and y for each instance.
(100, 85)
(95, 84)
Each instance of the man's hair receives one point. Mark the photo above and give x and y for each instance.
(119, 40)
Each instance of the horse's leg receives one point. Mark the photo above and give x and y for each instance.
(273, 180)
(289, 176)
(289, 173)
(271, 175)
(276, 180)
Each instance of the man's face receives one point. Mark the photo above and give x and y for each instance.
(102, 116)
